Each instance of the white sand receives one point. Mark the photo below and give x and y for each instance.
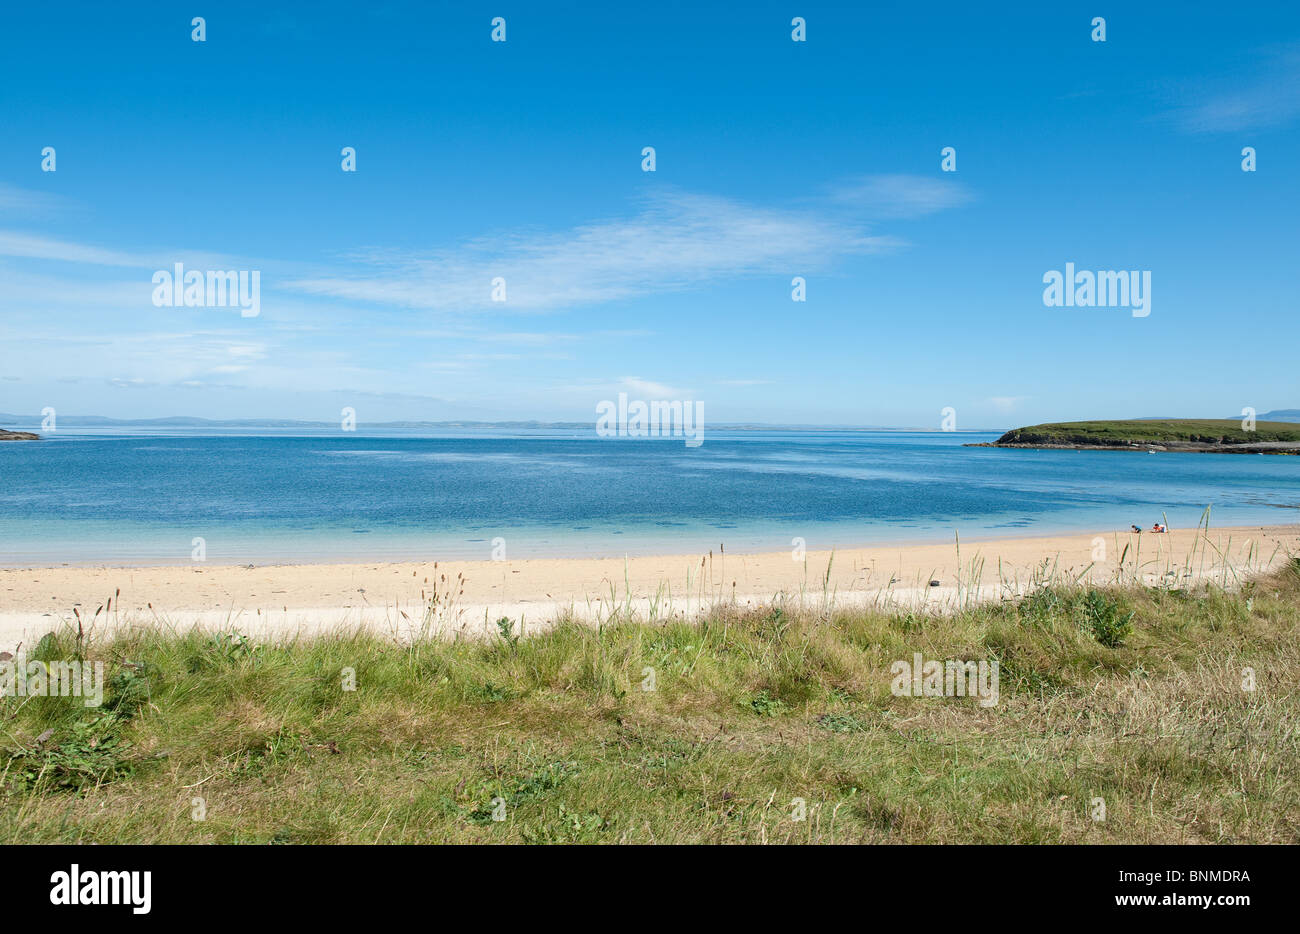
(393, 597)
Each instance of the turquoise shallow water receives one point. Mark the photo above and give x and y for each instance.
(117, 496)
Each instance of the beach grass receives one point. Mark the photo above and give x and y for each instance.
(1123, 716)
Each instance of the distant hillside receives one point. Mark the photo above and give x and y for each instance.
(1184, 434)
(188, 421)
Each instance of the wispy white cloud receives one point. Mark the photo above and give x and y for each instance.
(24, 202)
(528, 337)
(23, 245)
(86, 310)
(674, 242)
(134, 359)
(1268, 98)
(32, 246)
(1006, 404)
(902, 196)
(649, 389)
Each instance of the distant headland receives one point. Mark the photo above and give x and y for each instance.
(1211, 435)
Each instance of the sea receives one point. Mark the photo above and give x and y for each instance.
(122, 496)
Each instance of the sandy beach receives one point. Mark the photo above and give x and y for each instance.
(468, 596)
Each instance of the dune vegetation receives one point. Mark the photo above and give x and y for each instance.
(1124, 714)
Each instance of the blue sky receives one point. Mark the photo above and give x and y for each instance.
(775, 159)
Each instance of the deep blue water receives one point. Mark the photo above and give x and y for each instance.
(128, 497)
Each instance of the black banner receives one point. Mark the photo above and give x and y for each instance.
(142, 884)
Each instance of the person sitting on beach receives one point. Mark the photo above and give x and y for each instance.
(1137, 529)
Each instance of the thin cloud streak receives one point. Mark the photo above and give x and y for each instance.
(1271, 99)
(677, 241)
(902, 196)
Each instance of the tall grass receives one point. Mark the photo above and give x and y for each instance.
(1125, 693)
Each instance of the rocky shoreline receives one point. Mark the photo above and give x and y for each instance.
(18, 436)
(1261, 447)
